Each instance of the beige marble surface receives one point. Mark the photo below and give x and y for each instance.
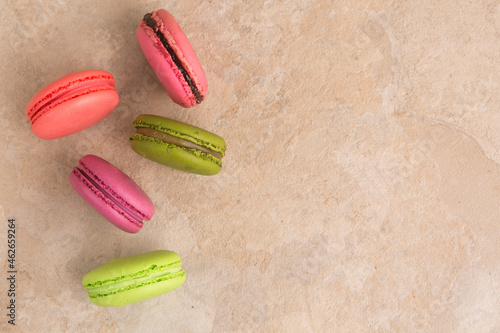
(360, 191)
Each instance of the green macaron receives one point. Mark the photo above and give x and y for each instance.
(178, 145)
(128, 280)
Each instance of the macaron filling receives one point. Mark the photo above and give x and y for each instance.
(54, 98)
(168, 138)
(138, 220)
(149, 276)
(151, 23)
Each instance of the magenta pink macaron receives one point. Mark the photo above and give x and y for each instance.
(111, 193)
(172, 58)
(72, 103)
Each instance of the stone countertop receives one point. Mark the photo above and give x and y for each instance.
(360, 190)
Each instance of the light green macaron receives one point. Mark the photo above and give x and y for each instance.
(128, 280)
(178, 145)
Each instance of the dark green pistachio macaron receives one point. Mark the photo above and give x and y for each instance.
(178, 145)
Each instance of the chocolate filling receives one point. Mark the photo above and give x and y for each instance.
(150, 22)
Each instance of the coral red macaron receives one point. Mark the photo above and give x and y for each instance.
(111, 193)
(172, 58)
(72, 103)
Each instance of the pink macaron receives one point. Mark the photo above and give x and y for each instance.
(172, 58)
(111, 193)
(72, 103)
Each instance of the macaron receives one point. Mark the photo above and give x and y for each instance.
(72, 103)
(172, 58)
(111, 193)
(128, 280)
(178, 145)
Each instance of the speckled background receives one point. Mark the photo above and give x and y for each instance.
(360, 190)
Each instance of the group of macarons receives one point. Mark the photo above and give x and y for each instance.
(79, 100)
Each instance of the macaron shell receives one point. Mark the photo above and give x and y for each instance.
(75, 114)
(124, 189)
(163, 66)
(170, 155)
(201, 136)
(129, 265)
(78, 110)
(101, 204)
(68, 82)
(125, 266)
(182, 42)
(164, 70)
(118, 182)
(139, 294)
